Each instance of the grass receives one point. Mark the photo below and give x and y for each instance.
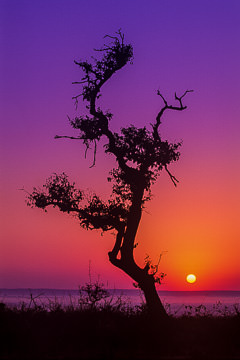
(102, 330)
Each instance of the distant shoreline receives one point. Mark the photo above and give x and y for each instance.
(176, 303)
(127, 290)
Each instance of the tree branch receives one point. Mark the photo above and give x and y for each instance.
(79, 82)
(167, 107)
(181, 97)
(67, 137)
(94, 154)
(116, 55)
(172, 177)
(117, 246)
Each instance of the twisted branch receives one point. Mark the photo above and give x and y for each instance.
(166, 107)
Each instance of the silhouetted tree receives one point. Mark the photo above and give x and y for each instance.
(140, 155)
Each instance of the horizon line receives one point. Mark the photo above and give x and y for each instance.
(67, 289)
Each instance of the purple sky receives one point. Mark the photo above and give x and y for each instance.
(178, 45)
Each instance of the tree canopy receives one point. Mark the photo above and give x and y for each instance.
(140, 153)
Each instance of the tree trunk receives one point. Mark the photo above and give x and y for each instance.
(153, 302)
(125, 245)
(146, 283)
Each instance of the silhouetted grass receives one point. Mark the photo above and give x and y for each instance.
(114, 331)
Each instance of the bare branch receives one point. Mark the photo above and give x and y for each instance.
(119, 33)
(180, 98)
(105, 48)
(94, 156)
(172, 177)
(76, 100)
(24, 191)
(79, 82)
(164, 100)
(157, 265)
(77, 96)
(115, 38)
(85, 153)
(166, 107)
(67, 137)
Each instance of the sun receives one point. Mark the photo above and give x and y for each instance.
(191, 278)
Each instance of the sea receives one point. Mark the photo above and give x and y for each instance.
(176, 303)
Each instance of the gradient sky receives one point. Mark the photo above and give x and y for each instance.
(178, 45)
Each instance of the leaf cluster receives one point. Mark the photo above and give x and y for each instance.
(100, 215)
(93, 213)
(137, 145)
(144, 152)
(116, 55)
(57, 191)
(90, 128)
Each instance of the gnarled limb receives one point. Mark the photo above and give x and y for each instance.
(168, 107)
(117, 246)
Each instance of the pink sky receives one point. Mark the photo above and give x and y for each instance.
(177, 46)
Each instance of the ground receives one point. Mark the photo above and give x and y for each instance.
(115, 334)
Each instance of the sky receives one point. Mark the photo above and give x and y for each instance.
(178, 45)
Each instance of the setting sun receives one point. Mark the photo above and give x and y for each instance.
(191, 278)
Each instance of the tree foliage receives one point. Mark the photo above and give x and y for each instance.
(140, 153)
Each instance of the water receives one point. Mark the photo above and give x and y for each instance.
(176, 302)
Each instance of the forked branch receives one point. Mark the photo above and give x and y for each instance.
(170, 107)
(120, 35)
(172, 177)
(181, 97)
